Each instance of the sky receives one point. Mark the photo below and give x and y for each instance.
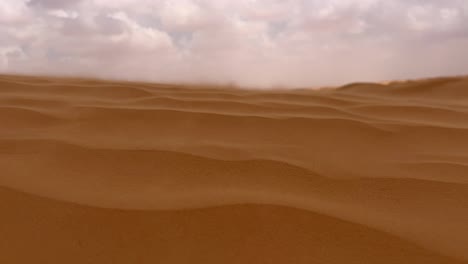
(255, 43)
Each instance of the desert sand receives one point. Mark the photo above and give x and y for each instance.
(125, 172)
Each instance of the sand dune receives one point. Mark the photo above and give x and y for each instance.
(125, 172)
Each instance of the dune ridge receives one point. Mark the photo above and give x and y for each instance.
(365, 173)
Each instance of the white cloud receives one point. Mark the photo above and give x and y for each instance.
(181, 15)
(60, 13)
(252, 42)
(432, 18)
(138, 36)
(12, 11)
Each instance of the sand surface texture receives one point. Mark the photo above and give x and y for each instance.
(119, 172)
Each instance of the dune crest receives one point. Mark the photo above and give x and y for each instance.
(365, 173)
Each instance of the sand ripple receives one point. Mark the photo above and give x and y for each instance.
(115, 172)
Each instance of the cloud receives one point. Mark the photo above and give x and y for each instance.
(251, 42)
(139, 37)
(53, 4)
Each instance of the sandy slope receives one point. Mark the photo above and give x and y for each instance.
(109, 172)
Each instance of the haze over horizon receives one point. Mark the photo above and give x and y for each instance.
(251, 43)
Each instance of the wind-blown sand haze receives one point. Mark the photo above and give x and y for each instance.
(124, 172)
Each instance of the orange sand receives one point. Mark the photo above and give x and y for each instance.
(119, 172)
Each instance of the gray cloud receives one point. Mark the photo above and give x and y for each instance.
(52, 3)
(259, 43)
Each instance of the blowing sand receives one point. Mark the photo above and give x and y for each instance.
(115, 172)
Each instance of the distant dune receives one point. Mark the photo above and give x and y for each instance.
(125, 172)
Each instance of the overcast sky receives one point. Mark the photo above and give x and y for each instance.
(248, 42)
